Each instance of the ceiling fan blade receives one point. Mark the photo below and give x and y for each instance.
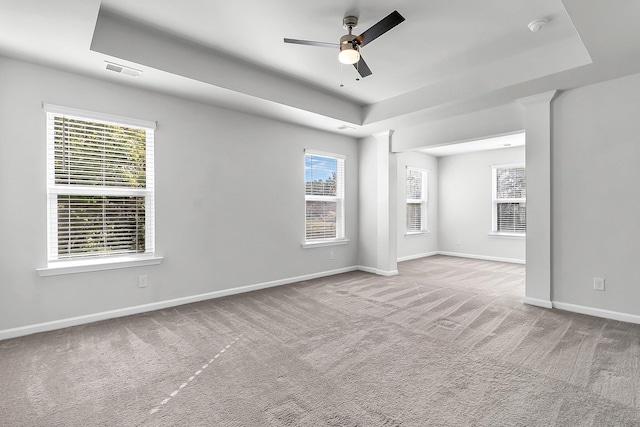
(384, 25)
(362, 67)
(311, 43)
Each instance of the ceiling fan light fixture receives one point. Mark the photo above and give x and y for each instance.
(348, 50)
(348, 55)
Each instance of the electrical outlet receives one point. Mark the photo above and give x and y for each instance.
(143, 281)
(330, 254)
(598, 283)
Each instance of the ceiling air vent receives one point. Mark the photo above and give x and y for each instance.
(121, 69)
(345, 127)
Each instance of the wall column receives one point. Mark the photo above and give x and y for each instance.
(378, 240)
(538, 159)
(387, 212)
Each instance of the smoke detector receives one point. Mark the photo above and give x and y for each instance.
(537, 24)
(122, 69)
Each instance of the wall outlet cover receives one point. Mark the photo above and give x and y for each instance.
(143, 281)
(598, 283)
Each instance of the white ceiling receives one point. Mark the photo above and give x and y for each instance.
(232, 53)
(439, 38)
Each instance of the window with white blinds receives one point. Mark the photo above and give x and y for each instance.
(509, 199)
(100, 185)
(324, 196)
(416, 200)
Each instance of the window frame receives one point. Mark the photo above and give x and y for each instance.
(339, 198)
(89, 261)
(495, 201)
(423, 201)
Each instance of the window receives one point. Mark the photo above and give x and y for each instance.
(416, 200)
(509, 199)
(99, 185)
(324, 196)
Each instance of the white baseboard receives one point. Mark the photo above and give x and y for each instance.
(591, 311)
(90, 318)
(483, 257)
(377, 271)
(538, 302)
(424, 255)
(121, 312)
(597, 312)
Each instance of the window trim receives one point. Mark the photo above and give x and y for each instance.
(57, 268)
(495, 201)
(423, 201)
(95, 263)
(341, 234)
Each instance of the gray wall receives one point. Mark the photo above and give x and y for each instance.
(596, 195)
(465, 205)
(411, 246)
(205, 227)
(229, 199)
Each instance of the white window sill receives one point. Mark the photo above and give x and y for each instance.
(416, 233)
(507, 235)
(323, 243)
(98, 264)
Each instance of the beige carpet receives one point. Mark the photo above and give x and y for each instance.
(446, 343)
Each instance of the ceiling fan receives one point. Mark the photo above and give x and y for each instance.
(350, 45)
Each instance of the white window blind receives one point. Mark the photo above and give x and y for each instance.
(509, 199)
(324, 196)
(416, 200)
(100, 185)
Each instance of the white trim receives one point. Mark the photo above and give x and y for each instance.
(89, 318)
(324, 154)
(322, 243)
(416, 233)
(377, 271)
(495, 201)
(83, 190)
(597, 312)
(423, 201)
(339, 198)
(483, 257)
(537, 302)
(56, 265)
(508, 165)
(57, 268)
(505, 235)
(416, 256)
(383, 134)
(80, 320)
(416, 168)
(544, 97)
(92, 115)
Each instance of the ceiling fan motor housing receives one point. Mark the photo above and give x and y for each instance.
(348, 41)
(350, 22)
